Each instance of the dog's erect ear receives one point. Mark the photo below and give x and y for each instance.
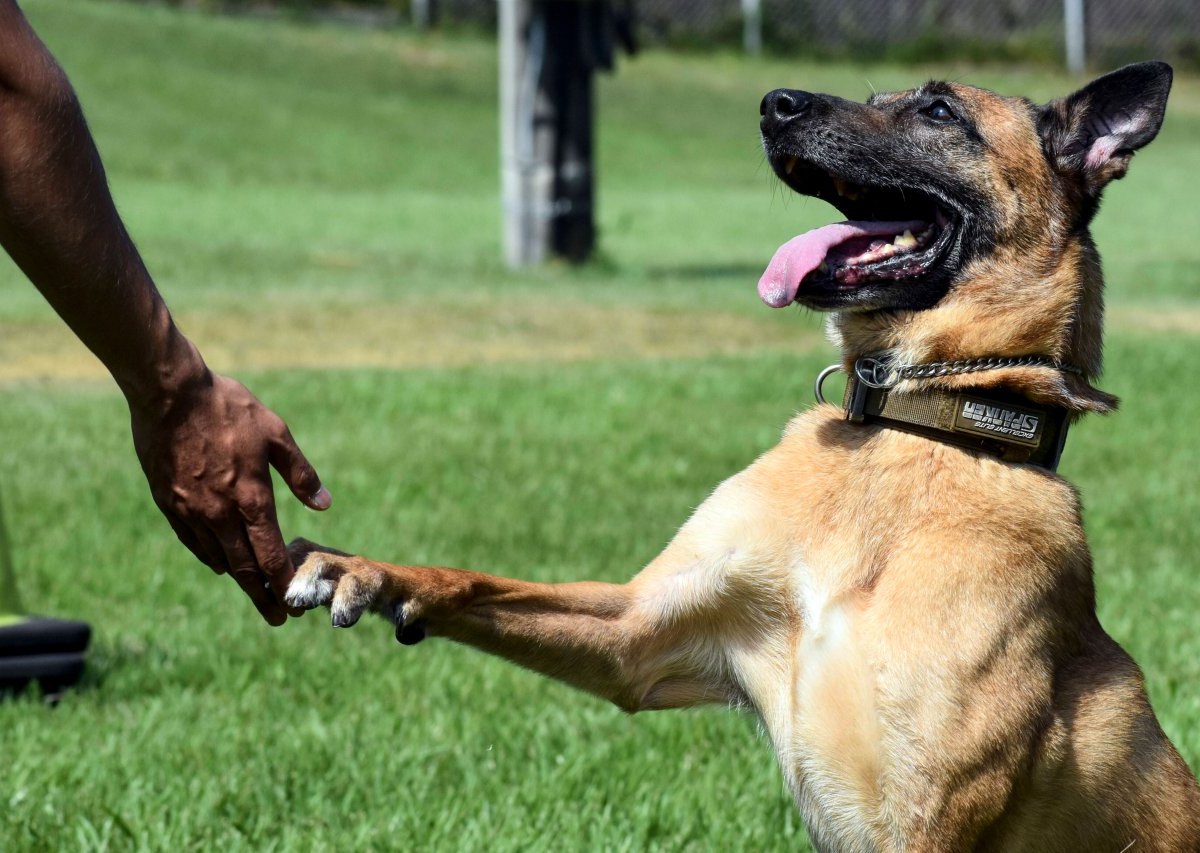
(1094, 132)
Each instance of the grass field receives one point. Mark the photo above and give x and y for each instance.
(320, 207)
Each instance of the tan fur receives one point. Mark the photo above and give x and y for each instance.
(914, 623)
(1039, 291)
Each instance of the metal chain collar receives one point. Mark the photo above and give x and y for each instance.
(877, 371)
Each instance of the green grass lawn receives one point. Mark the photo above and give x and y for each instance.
(320, 206)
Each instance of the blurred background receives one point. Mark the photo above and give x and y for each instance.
(510, 360)
(1110, 32)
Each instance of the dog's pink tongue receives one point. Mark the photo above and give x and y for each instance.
(801, 255)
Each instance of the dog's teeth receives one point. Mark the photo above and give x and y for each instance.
(847, 190)
(905, 240)
(791, 164)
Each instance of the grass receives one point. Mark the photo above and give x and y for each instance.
(320, 207)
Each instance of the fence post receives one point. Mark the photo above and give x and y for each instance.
(524, 229)
(1073, 26)
(510, 20)
(752, 39)
(424, 14)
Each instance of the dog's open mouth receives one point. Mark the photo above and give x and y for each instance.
(891, 234)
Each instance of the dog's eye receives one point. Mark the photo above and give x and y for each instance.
(940, 111)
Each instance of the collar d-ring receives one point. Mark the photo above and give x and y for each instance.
(821, 377)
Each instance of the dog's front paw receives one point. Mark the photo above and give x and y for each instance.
(350, 586)
(316, 576)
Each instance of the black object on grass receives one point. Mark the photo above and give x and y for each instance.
(49, 652)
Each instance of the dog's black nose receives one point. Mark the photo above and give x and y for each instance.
(784, 104)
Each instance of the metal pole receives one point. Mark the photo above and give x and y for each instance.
(508, 32)
(511, 24)
(752, 39)
(1073, 25)
(425, 14)
(526, 141)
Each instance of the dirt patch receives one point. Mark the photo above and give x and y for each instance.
(1178, 319)
(419, 335)
(423, 335)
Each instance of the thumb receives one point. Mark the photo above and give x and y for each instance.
(300, 476)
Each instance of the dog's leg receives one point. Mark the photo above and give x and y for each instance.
(644, 645)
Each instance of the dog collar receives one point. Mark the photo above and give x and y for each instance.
(1000, 423)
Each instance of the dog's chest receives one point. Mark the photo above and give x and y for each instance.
(833, 751)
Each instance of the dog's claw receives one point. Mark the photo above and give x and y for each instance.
(410, 635)
(407, 634)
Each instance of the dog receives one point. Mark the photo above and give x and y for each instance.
(906, 603)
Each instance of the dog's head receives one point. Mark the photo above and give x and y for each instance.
(967, 217)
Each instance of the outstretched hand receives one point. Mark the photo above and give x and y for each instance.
(206, 444)
(207, 454)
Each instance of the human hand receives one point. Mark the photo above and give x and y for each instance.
(206, 444)
(207, 452)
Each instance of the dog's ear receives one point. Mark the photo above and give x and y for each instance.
(1094, 132)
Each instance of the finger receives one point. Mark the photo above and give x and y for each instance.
(244, 570)
(264, 601)
(213, 546)
(300, 476)
(270, 555)
(185, 535)
(192, 541)
(274, 559)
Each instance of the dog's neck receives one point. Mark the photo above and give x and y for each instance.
(1041, 300)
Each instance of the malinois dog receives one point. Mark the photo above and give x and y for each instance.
(901, 588)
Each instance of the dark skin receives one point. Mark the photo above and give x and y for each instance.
(205, 443)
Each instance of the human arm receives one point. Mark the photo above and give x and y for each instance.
(205, 443)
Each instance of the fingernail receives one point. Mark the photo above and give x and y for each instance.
(321, 500)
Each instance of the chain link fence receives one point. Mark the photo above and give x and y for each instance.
(1112, 32)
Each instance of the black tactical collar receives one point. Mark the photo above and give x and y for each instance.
(1000, 423)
